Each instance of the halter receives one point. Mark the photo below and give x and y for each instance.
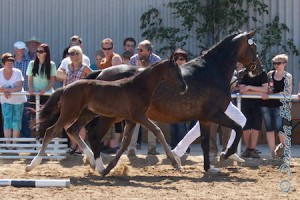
(250, 67)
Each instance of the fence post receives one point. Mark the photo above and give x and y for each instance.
(37, 113)
(239, 102)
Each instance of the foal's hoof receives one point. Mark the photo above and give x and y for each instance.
(177, 159)
(213, 170)
(28, 168)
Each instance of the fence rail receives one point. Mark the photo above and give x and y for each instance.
(24, 147)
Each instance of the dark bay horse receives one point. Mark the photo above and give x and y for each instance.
(128, 99)
(208, 95)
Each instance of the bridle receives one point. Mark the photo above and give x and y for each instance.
(252, 65)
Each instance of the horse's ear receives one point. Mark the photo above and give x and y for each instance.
(171, 57)
(251, 33)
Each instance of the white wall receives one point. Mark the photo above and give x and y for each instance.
(55, 21)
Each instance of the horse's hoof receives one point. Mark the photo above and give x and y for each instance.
(104, 173)
(27, 168)
(236, 158)
(213, 170)
(177, 159)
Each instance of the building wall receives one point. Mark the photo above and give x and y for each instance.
(55, 21)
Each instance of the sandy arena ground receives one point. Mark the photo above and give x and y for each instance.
(152, 177)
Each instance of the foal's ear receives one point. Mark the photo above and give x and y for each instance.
(251, 33)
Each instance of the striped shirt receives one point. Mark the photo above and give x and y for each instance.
(73, 75)
(153, 58)
(22, 65)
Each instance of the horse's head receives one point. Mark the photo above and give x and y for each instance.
(173, 75)
(246, 49)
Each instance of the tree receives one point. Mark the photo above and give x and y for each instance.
(207, 21)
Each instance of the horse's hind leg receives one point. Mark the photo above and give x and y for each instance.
(128, 130)
(49, 135)
(161, 138)
(85, 148)
(73, 131)
(97, 128)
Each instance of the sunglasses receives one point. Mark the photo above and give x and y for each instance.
(74, 44)
(277, 63)
(107, 49)
(73, 54)
(181, 59)
(140, 50)
(40, 51)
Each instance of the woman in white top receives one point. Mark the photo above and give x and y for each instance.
(11, 80)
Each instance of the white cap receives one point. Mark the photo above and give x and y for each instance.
(20, 45)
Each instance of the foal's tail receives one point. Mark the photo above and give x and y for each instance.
(50, 112)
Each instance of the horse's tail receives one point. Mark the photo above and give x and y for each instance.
(50, 112)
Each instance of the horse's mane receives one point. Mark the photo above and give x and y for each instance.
(139, 70)
(226, 42)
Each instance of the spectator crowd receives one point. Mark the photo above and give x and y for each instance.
(30, 68)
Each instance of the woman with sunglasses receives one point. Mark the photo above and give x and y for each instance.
(271, 108)
(11, 80)
(76, 70)
(41, 74)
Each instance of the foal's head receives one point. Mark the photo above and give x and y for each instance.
(173, 74)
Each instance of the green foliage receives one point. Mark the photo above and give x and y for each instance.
(271, 36)
(212, 20)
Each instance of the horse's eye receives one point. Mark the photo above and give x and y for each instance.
(250, 41)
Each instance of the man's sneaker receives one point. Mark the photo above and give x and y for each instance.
(245, 154)
(131, 153)
(153, 152)
(177, 158)
(236, 158)
(253, 154)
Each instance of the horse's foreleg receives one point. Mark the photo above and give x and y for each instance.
(234, 119)
(128, 130)
(49, 135)
(205, 137)
(161, 138)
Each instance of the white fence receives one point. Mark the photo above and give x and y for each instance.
(27, 148)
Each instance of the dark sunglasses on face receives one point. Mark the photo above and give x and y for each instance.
(277, 63)
(107, 49)
(73, 54)
(181, 59)
(140, 50)
(40, 51)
